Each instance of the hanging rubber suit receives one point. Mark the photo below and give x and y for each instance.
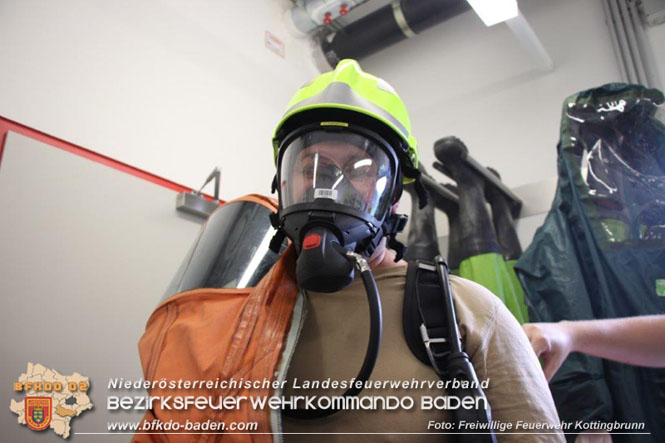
(504, 226)
(473, 241)
(601, 250)
(423, 242)
(451, 209)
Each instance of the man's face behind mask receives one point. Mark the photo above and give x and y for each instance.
(346, 168)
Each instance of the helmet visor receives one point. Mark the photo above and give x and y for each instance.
(345, 167)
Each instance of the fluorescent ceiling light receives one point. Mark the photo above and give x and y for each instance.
(492, 12)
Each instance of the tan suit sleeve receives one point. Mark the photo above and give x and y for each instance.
(500, 351)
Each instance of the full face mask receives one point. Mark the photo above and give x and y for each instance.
(336, 189)
(343, 149)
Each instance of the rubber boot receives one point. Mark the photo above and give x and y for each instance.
(423, 242)
(504, 226)
(451, 209)
(479, 251)
(502, 219)
(476, 233)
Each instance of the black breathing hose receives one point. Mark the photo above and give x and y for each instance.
(376, 326)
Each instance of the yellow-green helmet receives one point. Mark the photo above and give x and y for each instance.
(349, 95)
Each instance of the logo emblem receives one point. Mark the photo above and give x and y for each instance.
(38, 412)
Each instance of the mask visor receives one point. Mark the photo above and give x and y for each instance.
(347, 168)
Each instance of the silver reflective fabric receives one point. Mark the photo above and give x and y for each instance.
(232, 250)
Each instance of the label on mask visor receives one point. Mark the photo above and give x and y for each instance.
(326, 193)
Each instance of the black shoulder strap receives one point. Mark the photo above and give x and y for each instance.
(421, 288)
(432, 334)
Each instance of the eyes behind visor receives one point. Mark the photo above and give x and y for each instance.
(355, 170)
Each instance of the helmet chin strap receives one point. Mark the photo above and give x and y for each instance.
(415, 174)
(280, 235)
(393, 225)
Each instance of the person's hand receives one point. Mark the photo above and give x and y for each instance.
(552, 342)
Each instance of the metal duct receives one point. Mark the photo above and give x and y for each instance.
(631, 46)
(650, 67)
(307, 16)
(388, 25)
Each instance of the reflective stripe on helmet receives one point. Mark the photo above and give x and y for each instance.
(348, 88)
(337, 94)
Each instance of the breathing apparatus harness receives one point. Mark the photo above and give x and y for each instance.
(432, 334)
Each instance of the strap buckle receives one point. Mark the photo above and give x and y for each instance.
(434, 356)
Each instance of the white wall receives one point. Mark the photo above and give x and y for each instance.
(656, 36)
(172, 87)
(464, 79)
(177, 87)
(90, 267)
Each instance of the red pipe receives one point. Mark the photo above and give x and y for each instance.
(7, 125)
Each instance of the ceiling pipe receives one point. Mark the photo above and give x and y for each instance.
(308, 16)
(645, 48)
(632, 43)
(388, 25)
(631, 46)
(609, 20)
(624, 48)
